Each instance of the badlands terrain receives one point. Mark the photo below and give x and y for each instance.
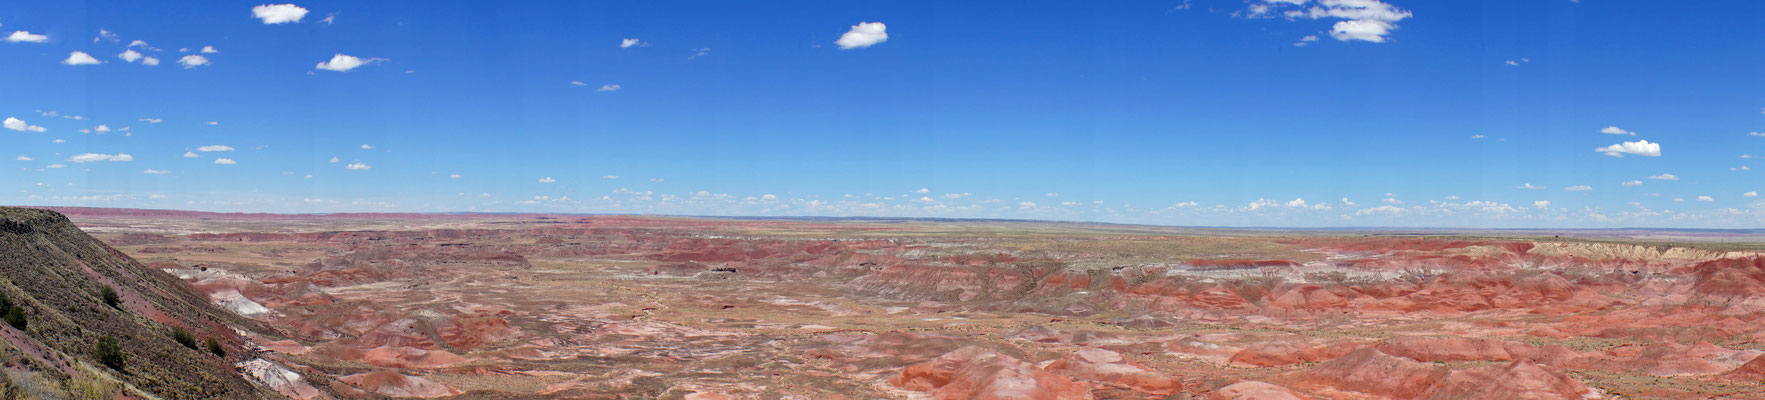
(636, 307)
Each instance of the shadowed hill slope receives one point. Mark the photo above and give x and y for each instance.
(55, 277)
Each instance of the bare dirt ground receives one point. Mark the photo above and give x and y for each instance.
(653, 307)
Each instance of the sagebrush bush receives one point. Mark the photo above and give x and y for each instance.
(110, 297)
(110, 353)
(214, 346)
(183, 337)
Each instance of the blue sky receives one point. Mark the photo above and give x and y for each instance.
(1199, 112)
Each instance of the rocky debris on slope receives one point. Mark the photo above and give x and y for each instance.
(1111, 367)
(1276, 354)
(57, 273)
(982, 374)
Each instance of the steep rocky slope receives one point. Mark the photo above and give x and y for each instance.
(56, 276)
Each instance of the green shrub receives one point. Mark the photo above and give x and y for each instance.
(110, 353)
(214, 346)
(15, 316)
(110, 297)
(183, 337)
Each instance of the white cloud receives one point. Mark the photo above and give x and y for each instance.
(957, 195)
(343, 62)
(23, 158)
(212, 123)
(1529, 186)
(52, 166)
(95, 157)
(278, 13)
(864, 34)
(608, 87)
(141, 44)
(454, 176)
(20, 125)
(130, 55)
(209, 50)
(217, 147)
(1579, 188)
(1541, 204)
(656, 180)
(547, 180)
(923, 191)
(225, 161)
(80, 58)
(1345, 202)
(1755, 133)
(578, 83)
(149, 61)
(609, 177)
(1750, 194)
(358, 166)
(1185, 204)
(1631, 183)
(191, 154)
(367, 147)
(1706, 199)
(102, 128)
(1364, 20)
(628, 42)
(26, 37)
(193, 61)
(1640, 148)
(156, 172)
(1296, 203)
(1613, 130)
(152, 120)
(1478, 136)
(1665, 177)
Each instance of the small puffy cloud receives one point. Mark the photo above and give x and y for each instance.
(1529, 186)
(102, 128)
(1185, 204)
(278, 13)
(547, 180)
(1370, 30)
(212, 123)
(1631, 183)
(628, 42)
(923, 191)
(95, 157)
(343, 62)
(1346, 202)
(1640, 148)
(1363, 20)
(1665, 177)
(149, 61)
(335, 160)
(454, 176)
(217, 147)
(1478, 136)
(191, 154)
(1579, 188)
(1750, 194)
(80, 58)
(609, 177)
(209, 50)
(367, 147)
(1613, 130)
(23, 158)
(1755, 133)
(225, 161)
(608, 87)
(656, 180)
(130, 55)
(26, 37)
(578, 83)
(358, 166)
(957, 195)
(193, 61)
(1706, 199)
(156, 172)
(864, 34)
(20, 125)
(140, 43)
(152, 120)
(1542, 204)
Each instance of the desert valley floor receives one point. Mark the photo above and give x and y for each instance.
(633, 307)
